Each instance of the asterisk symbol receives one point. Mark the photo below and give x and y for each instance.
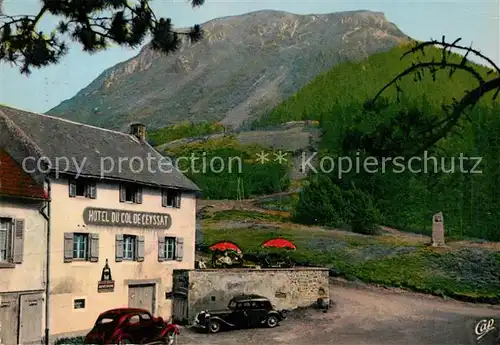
(280, 157)
(262, 157)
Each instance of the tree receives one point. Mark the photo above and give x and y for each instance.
(414, 131)
(94, 24)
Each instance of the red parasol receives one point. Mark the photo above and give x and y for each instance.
(279, 243)
(223, 246)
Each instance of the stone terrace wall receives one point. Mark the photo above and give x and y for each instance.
(286, 288)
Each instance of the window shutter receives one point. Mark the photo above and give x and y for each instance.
(92, 189)
(179, 248)
(72, 188)
(178, 201)
(161, 248)
(123, 194)
(119, 248)
(163, 198)
(18, 241)
(94, 247)
(68, 246)
(139, 249)
(138, 195)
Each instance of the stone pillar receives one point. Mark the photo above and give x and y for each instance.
(437, 230)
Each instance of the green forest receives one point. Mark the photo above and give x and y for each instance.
(231, 169)
(360, 199)
(405, 200)
(185, 129)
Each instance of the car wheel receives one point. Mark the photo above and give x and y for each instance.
(214, 326)
(170, 338)
(272, 321)
(124, 341)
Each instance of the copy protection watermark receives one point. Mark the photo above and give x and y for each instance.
(398, 165)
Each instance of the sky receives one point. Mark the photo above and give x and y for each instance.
(476, 22)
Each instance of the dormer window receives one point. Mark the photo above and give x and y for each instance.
(130, 193)
(171, 198)
(80, 187)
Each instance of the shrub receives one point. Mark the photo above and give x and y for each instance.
(70, 341)
(364, 217)
(330, 202)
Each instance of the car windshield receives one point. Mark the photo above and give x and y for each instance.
(232, 305)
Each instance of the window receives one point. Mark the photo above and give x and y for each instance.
(81, 187)
(171, 198)
(129, 247)
(130, 193)
(170, 248)
(11, 241)
(79, 303)
(129, 244)
(105, 320)
(80, 246)
(145, 317)
(5, 239)
(134, 319)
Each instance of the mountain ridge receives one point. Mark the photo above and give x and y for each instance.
(266, 55)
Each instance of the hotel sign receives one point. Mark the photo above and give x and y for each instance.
(109, 217)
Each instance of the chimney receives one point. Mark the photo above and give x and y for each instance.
(138, 130)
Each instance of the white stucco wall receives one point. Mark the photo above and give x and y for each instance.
(30, 274)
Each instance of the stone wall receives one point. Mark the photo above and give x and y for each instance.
(286, 288)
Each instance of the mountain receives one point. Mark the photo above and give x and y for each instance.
(246, 65)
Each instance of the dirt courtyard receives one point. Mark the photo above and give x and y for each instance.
(372, 316)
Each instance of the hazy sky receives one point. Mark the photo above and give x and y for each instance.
(475, 21)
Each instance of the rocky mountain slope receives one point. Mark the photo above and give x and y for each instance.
(245, 65)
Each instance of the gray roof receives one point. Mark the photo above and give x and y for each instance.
(29, 134)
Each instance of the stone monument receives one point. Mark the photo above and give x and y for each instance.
(437, 230)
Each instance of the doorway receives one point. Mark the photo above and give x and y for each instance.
(180, 308)
(142, 296)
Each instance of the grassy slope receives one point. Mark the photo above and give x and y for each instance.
(469, 274)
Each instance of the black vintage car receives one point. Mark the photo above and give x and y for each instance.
(243, 311)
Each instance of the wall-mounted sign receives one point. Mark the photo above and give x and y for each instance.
(104, 216)
(106, 284)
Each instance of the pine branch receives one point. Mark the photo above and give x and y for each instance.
(428, 132)
(82, 21)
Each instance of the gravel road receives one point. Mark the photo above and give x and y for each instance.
(372, 316)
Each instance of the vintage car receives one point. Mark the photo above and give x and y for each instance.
(243, 311)
(131, 326)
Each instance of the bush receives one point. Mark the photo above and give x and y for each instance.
(321, 202)
(70, 341)
(330, 202)
(365, 217)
